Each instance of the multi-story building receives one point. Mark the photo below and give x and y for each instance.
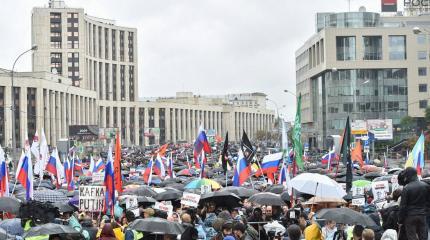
(363, 65)
(85, 72)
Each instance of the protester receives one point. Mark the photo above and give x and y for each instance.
(368, 234)
(414, 206)
(329, 230)
(357, 232)
(294, 232)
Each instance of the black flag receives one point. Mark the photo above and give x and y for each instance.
(247, 149)
(345, 151)
(224, 155)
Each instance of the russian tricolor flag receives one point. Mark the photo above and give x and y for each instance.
(271, 162)
(170, 167)
(100, 166)
(200, 144)
(242, 170)
(159, 168)
(147, 175)
(109, 181)
(4, 178)
(68, 173)
(54, 167)
(25, 175)
(328, 157)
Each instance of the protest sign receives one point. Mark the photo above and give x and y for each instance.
(98, 177)
(394, 183)
(380, 189)
(356, 191)
(92, 198)
(205, 189)
(163, 207)
(358, 201)
(190, 199)
(131, 202)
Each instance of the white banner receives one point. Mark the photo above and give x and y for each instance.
(380, 189)
(190, 199)
(358, 201)
(394, 183)
(131, 202)
(164, 207)
(92, 198)
(98, 177)
(205, 189)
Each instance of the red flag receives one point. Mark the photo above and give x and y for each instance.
(117, 164)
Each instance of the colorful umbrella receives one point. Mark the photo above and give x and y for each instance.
(361, 183)
(196, 184)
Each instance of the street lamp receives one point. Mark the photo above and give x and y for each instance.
(290, 92)
(12, 108)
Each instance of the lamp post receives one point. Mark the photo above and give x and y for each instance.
(12, 108)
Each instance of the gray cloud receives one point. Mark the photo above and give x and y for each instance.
(204, 46)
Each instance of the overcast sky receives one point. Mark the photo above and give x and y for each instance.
(203, 46)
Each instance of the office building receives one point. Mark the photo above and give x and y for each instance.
(364, 65)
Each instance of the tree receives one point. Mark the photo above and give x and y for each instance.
(408, 122)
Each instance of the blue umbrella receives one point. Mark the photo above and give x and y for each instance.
(12, 226)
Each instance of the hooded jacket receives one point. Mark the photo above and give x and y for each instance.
(414, 196)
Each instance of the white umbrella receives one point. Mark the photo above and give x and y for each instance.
(318, 185)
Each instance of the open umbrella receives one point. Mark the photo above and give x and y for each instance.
(361, 183)
(12, 226)
(240, 191)
(50, 229)
(9, 204)
(275, 188)
(50, 196)
(371, 175)
(221, 199)
(168, 195)
(186, 172)
(285, 196)
(64, 207)
(316, 200)
(346, 216)
(317, 185)
(157, 225)
(140, 191)
(267, 198)
(197, 183)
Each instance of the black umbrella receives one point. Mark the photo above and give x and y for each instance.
(140, 191)
(286, 197)
(50, 229)
(371, 175)
(267, 198)
(345, 216)
(9, 204)
(157, 225)
(64, 207)
(168, 195)
(240, 191)
(221, 199)
(276, 188)
(12, 226)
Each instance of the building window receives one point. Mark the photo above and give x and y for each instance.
(72, 30)
(31, 111)
(422, 87)
(73, 66)
(421, 39)
(121, 46)
(55, 24)
(106, 43)
(114, 81)
(422, 55)
(122, 81)
(372, 47)
(397, 47)
(113, 44)
(348, 107)
(131, 82)
(130, 46)
(423, 104)
(422, 71)
(56, 63)
(345, 47)
(107, 90)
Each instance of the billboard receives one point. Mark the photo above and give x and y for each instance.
(151, 132)
(388, 5)
(381, 128)
(107, 133)
(358, 127)
(83, 133)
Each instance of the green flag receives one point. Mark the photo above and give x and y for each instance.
(345, 152)
(297, 133)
